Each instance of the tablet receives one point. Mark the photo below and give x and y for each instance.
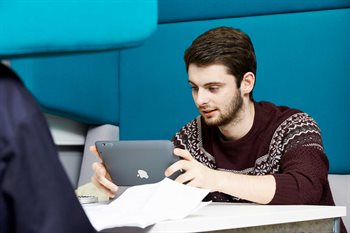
(137, 162)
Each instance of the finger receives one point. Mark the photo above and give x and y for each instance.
(107, 183)
(179, 165)
(99, 169)
(185, 154)
(108, 192)
(194, 183)
(93, 150)
(101, 176)
(185, 178)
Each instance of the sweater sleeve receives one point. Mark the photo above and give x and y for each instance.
(303, 172)
(303, 177)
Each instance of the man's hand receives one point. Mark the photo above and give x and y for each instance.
(259, 189)
(195, 174)
(101, 178)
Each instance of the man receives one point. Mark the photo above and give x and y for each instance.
(240, 149)
(35, 193)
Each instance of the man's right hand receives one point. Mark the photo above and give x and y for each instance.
(101, 178)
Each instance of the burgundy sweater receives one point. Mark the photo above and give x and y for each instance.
(283, 142)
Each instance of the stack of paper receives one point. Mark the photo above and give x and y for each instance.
(144, 205)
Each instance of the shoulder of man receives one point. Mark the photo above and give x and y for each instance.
(188, 134)
(291, 127)
(299, 130)
(17, 104)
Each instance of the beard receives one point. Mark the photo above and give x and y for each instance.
(227, 115)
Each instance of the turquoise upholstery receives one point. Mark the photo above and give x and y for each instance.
(83, 87)
(81, 25)
(171, 11)
(79, 86)
(302, 49)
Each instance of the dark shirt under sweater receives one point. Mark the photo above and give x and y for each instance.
(283, 142)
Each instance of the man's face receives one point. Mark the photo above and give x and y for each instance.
(215, 94)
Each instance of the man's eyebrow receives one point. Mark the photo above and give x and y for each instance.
(191, 83)
(207, 84)
(213, 84)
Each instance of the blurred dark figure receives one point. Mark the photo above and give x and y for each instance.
(35, 193)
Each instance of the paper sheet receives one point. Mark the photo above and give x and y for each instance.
(144, 205)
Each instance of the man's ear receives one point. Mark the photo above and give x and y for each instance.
(247, 83)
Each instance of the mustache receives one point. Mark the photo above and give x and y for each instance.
(205, 108)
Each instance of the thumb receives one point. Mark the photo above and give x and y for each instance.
(185, 154)
(94, 151)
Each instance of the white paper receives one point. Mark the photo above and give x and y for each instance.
(144, 205)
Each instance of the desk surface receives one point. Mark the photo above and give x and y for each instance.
(221, 216)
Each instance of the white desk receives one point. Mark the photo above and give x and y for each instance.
(222, 216)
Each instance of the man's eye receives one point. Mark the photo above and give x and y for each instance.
(213, 89)
(194, 88)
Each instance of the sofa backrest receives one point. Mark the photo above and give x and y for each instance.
(54, 46)
(30, 28)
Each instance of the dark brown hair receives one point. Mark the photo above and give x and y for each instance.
(226, 46)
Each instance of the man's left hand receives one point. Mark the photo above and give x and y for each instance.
(195, 174)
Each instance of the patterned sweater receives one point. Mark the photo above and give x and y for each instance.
(283, 142)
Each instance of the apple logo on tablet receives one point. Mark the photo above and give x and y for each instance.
(142, 174)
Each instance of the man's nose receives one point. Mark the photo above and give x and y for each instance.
(202, 97)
